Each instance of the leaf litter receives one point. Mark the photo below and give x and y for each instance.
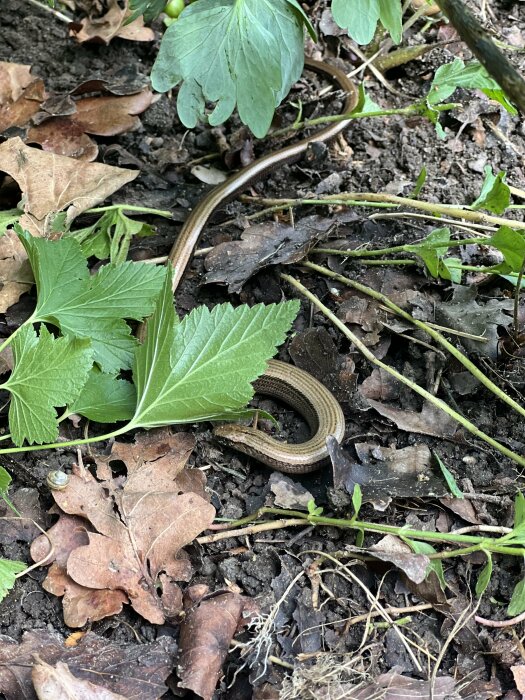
(135, 534)
(136, 671)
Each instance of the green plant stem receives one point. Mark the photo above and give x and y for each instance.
(67, 443)
(406, 248)
(400, 262)
(473, 543)
(417, 108)
(384, 199)
(434, 400)
(433, 333)
(13, 335)
(130, 207)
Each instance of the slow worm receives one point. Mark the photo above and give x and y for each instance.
(286, 382)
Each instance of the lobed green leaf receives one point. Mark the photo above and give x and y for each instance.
(105, 399)
(360, 18)
(232, 52)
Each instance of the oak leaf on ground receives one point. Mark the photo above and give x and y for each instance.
(129, 534)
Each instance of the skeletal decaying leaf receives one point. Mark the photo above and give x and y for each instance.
(52, 183)
(125, 543)
(384, 473)
(133, 671)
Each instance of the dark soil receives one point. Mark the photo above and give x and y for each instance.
(383, 155)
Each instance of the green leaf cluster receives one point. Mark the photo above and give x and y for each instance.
(72, 350)
(110, 236)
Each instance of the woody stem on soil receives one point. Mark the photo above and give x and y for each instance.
(434, 400)
(434, 334)
(473, 543)
(384, 199)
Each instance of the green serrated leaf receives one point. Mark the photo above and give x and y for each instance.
(105, 399)
(435, 565)
(92, 307)
(472, 76)
(517, 601)
(202, 368)
(511, 244)
(48, 372)
(485, 576)
(449, 478)
(519, 509)
(357, 499)
(232, 52)
(495, 193)
(8, 570)
(5, 481)
(8, 218)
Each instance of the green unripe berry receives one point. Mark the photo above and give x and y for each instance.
(173, 8)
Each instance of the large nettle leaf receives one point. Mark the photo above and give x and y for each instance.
(202, 368)
(92, 306)
(48, 372)
(234, 52)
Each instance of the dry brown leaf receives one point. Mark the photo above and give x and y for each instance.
(393, 550)
(429, 421)
(136, 671)
(135, 534)
(519, 677)
(59, 683)
(14, 78)
(205, 636)
(16, 276)
(80, 604)
(103, 29)
(261, 245)
(23, 528)
(103, 116)
(20, 111)
(51, 183)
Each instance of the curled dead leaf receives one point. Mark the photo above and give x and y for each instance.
(205, 636)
